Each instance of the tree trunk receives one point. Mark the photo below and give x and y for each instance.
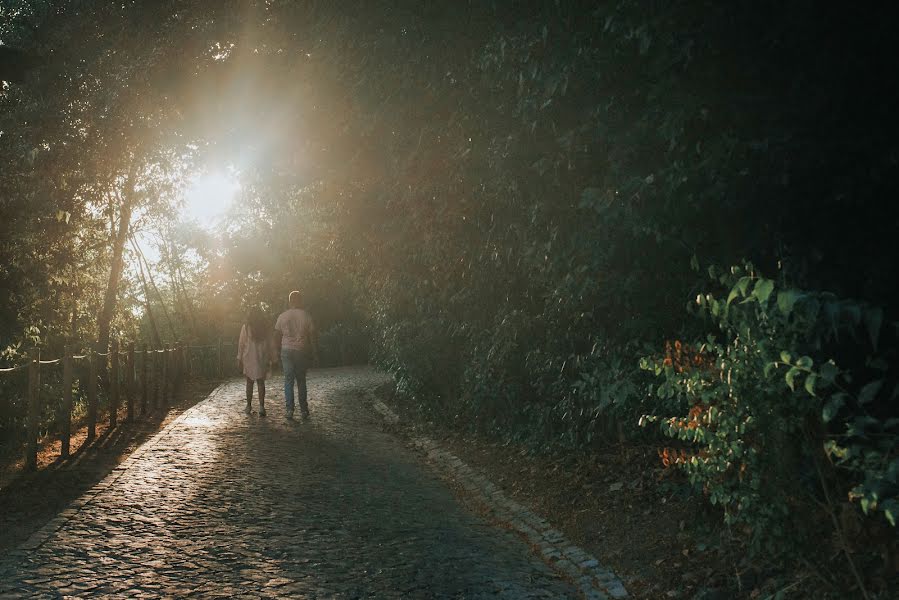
(154, 331)
(188, 303)
(115, 274)
(165, 312)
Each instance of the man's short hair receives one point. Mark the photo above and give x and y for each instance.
(295, 298)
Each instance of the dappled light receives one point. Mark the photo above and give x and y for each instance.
(566, 229)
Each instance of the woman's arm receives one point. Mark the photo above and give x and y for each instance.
(274, 345)
(241, 344)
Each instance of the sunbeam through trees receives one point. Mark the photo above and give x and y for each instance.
(562, 225)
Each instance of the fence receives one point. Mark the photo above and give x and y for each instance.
(146, 379)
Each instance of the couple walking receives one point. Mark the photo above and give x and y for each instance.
(294, 338)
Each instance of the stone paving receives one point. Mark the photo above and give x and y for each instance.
(595, 581)
(224, 504)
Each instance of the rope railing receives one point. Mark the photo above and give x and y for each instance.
(105, 354)
(146, 378)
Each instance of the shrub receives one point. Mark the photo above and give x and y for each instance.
(766, 420)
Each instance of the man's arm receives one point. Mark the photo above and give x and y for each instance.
(276, 345)
(313, 340)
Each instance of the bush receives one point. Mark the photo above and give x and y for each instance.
(344, 344)
(766, 421)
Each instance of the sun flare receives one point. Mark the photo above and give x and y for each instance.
(209, 195)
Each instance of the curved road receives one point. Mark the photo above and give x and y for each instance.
(222, 504)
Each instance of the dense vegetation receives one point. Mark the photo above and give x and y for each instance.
(514, 201)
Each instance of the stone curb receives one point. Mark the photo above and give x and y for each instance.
(594, 581)
(39, 537)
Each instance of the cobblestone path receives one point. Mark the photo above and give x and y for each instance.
(222, 504)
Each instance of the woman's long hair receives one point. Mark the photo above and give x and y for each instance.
(257, 325)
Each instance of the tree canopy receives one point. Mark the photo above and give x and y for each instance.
(507, 204)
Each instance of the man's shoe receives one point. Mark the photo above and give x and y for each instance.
(305, 415)
(248, 409)
(290, 414)
(261, 412)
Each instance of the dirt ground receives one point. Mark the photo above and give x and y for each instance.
(617, 505)
(29, 500)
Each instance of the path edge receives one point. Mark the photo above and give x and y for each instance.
(593, 580)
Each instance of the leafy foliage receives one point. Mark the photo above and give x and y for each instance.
(505, 199)
(764, 417)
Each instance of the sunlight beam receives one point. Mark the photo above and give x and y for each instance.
(209, 196)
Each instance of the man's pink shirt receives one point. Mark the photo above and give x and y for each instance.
(296, 329)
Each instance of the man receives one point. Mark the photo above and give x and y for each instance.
(296, 337)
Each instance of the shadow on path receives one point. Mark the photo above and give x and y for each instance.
(29, 500)
(222, 503)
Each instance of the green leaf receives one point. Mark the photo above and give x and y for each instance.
(739, 289)
(694, 263)
(859, 427)
(853, 311)
(829, 372)
(786, 299)
(868, 504)
(810, 383)
(873, 320)
(804, 362)
(763, 289)
(791, 377)
(831, 312)
(786, 357)
(732, 295)
(833, 406)
(878, 363)
(890, 509)
(868, 392)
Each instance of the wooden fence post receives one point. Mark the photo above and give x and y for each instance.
(143, 380)
(66, 436)
(176, 367)
(221, 359)
(179, 366)
(34, 375)
(173, 372)
(166, 384)
(92, 394)
(129, 381)
(114, 383)
(154, 380)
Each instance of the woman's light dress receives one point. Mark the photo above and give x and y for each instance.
(255, 354)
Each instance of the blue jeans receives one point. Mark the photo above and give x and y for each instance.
(295, 363)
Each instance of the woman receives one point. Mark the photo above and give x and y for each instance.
(254, 355)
